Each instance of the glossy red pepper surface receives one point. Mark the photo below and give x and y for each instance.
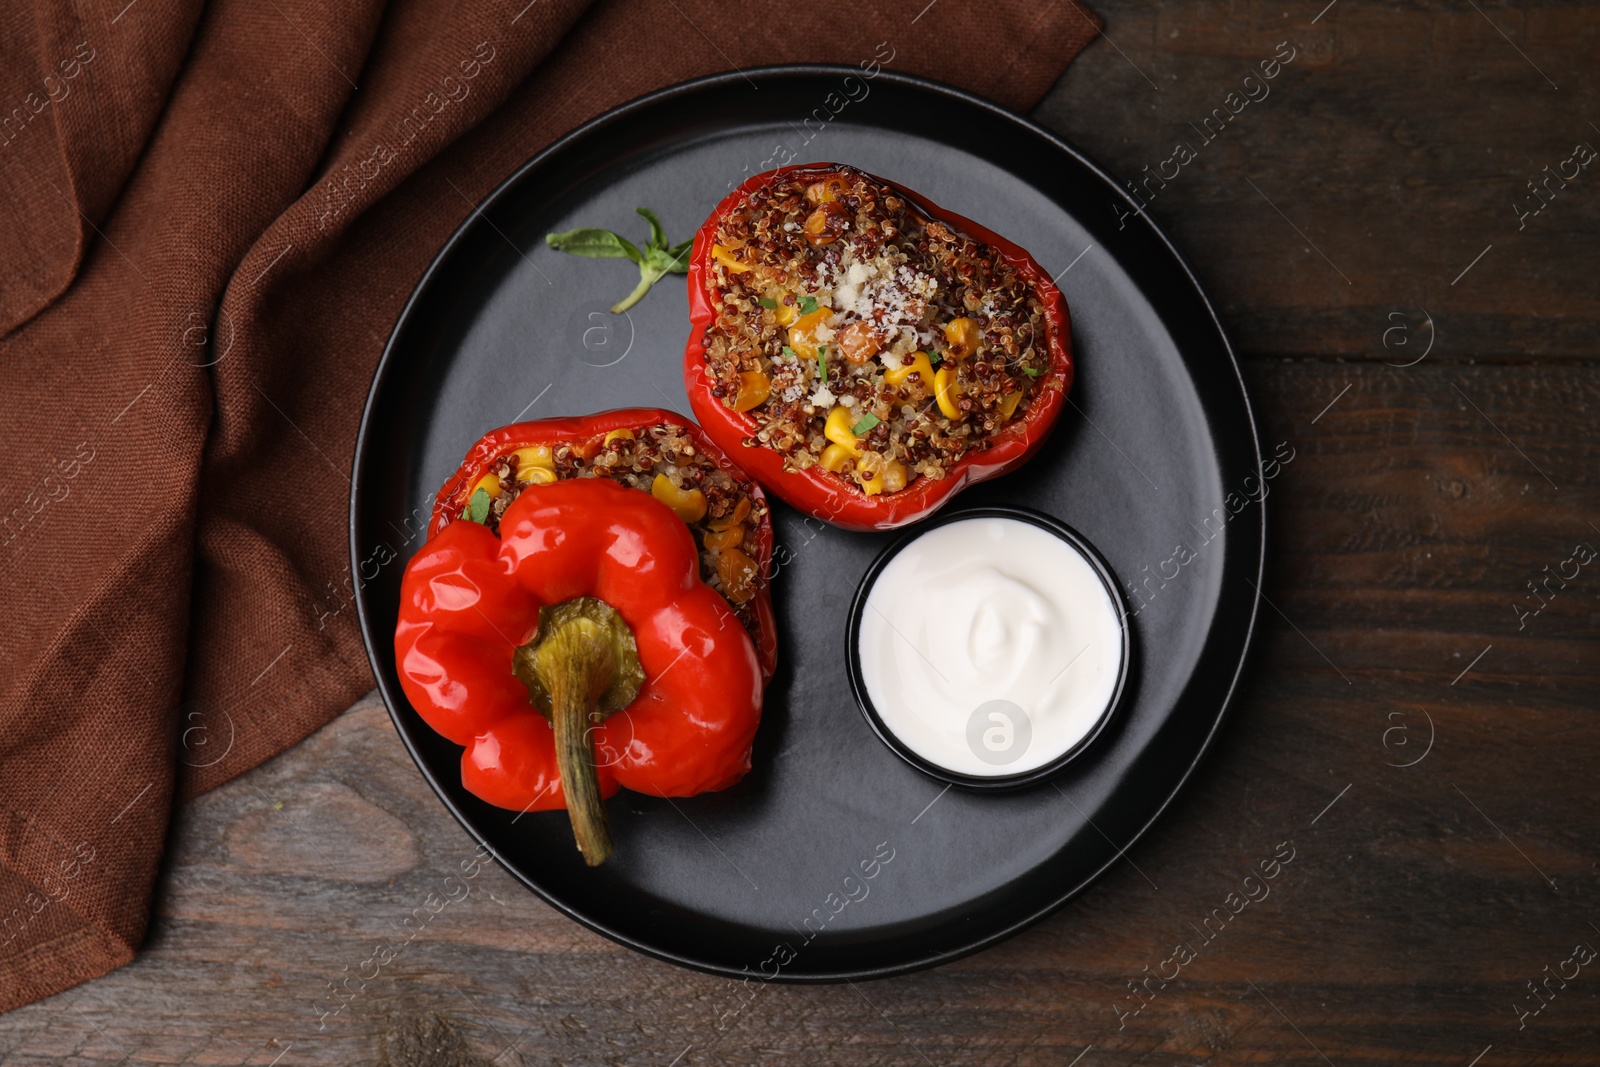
(586, 433)
(469, 598)
(819, 492)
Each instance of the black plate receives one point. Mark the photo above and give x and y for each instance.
(1158, 431)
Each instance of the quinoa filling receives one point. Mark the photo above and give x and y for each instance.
(661, 460)
(866, 337)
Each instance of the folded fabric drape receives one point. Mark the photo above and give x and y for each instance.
(210, 217)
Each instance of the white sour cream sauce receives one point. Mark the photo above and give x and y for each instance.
(989, 646)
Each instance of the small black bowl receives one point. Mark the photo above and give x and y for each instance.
(853, 652)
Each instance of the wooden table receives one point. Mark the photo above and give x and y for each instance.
(1417, 721)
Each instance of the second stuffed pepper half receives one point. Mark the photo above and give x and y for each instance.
(865, 353)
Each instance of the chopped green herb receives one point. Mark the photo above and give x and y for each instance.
(808, 304)
(934, 358)
(868, 421)
(768, 303)
(1033, 372)
(791, 353)
(477, 506)
(655, 261)
(822, 363)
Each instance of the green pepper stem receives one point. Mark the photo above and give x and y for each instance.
(580, 667)
(574, 676)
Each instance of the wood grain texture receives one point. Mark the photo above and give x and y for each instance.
(1416, 908)
(1397, 142)
(1421, 501)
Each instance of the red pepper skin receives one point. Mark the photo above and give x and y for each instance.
(491, 446)
(469, 598)
(827, 496)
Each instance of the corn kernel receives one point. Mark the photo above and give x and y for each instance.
(838, 429)
(919, 364)
(1009, 402)
(895, 476)
(536, 476)
(945, 391)
(961, 337)
(784, 314)
(618, 435)
(533, 456)
(870, 468)
(690, 504)
(834, 457)
(488, 483)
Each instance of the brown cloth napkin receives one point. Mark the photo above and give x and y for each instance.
(210, 216)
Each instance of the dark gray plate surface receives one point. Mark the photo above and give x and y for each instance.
(1158, 432)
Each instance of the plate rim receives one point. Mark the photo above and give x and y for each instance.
(732, 79)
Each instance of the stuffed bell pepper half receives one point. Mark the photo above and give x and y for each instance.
(590, 612)
(864, 353)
